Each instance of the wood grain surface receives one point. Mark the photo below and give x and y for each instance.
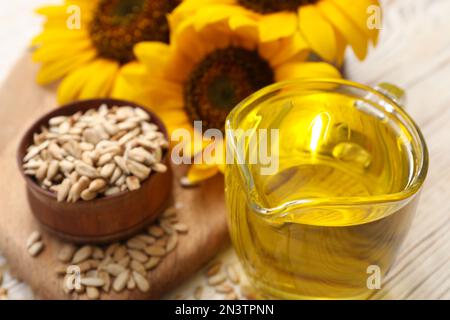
(202, 207)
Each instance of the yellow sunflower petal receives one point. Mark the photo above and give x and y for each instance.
(71, 86)
(277, 25)
(346, 27)
(318, 32)
(57, 50)
(358, 11)
(54, 70)
(295, 70)
(285, 49)
(100, 80)
(198, 173)
(52, 36)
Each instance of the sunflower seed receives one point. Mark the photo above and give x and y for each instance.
(172, 242)
(145, 238)
(138, 255)
(107, 170)
(34, 237)
(138, 267)
(152, 263)
(214, 269)
(119, 253)
(141, 282)
(121, 281)
(133, 183)
(87, 195)
(97, 185)
(155, 251)
(125, 261)
(82, 254)
(131, 284)
(114, 269)
(233, 275)
(155, 231)
(217, 279)
(111, 191)
(136, 243)
(41, 172)
(181, 227)
(111, 248)
(92, 282)
(66, 252)
(198, 292)
(36, 248)
(56, 121)
(138, 169)
(159, 167)
(92, 293)
(106, 279)
(84, 169)
(224, 288)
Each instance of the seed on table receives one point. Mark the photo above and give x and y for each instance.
(98, 253)
(107, 279)
(152, 263)
(138, 267)
(125, 261)
(198, 292)
(92, 293)
(111, 248)
(170, 212)
(161, 242)
(145, 238)
(167, 227)
(217, 279)
(136, 243)
(114, 269)
(181, 227)
(214, 269)
(141, 282)
(85, 265)
(92, 282)
(32, 238)
(119, 253)
(155, 251)
(138, 255)
(172, 242)
(155, 231)
(121, 281)
(231, 296)
(36, 248)
(224, 288)
(82, 254)
(233, 274)
(131, 284)
(66, 252)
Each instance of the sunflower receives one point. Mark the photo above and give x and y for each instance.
(203, 74)
(87, 42)
(324, 26)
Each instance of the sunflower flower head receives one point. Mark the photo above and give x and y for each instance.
(89, 56)
(205, 72)
(325, 27)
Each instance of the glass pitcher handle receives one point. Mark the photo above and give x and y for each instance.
(393, 92)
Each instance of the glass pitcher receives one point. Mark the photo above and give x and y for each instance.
(323, 210)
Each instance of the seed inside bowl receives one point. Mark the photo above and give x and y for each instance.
(96, 153)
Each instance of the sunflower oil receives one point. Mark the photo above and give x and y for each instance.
(334, 207)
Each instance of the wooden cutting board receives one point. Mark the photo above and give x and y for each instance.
(203, 210)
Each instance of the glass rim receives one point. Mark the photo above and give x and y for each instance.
(398, 112)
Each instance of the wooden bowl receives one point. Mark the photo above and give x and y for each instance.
(104, 219)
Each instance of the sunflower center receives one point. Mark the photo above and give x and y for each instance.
(270, 6)
(221, 80)
(118, 25)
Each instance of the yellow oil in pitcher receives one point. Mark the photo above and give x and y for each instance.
(334, 207)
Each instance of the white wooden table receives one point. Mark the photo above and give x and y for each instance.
(414, 53)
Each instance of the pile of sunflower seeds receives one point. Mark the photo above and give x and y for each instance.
(97, 153)
(121, 265)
